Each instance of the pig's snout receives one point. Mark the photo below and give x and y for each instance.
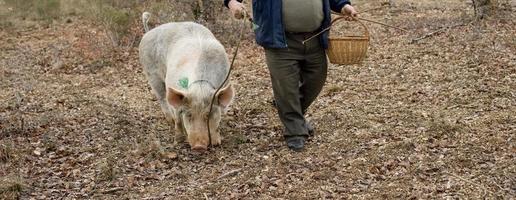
(199, 148)
(198, 141)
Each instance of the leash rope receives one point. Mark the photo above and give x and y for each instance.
(242, 28)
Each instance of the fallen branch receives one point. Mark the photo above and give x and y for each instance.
(18, 105)
(437, 31)
(471, 182)
(230, 173)
(111, 190)
(152, 198)
(161, 196)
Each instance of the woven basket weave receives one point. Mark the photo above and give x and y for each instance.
(348, 50)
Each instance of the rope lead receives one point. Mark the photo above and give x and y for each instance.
(242, 27)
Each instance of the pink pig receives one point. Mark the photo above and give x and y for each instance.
(185, 64)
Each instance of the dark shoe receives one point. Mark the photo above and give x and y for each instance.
(274, 103)
(296, 143)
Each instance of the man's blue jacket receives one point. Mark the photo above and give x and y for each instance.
(268, 22)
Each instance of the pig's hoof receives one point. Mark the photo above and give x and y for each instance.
(217, 141)
(199, 148)
(178, 139)
(178, 143)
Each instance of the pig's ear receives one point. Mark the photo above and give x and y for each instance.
(175, 97)
(225, 96)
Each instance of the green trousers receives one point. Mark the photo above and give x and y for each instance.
(298, 74)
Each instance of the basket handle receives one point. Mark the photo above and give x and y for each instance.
(366, 31)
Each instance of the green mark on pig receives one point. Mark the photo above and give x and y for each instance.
(183, 82)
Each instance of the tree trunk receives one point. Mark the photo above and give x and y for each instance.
(483, 8)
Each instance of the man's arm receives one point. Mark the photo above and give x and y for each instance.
(226, 2)
(344, 7)
(337, 5)
(236, 7)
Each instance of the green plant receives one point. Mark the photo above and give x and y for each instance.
(116, 17)
(117, 23)
(47, 9)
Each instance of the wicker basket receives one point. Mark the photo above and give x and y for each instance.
(348, 50)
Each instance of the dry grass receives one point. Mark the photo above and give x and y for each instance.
(11, 187)
(6, 153)
(106, 169)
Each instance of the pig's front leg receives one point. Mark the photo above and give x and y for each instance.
(180, 134)
(216, 139)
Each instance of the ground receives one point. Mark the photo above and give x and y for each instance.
(429, 119)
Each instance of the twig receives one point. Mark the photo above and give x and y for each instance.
(371, 9)
(436, 31)
(19, 111)
(230, 173)
(152, 198)
(363, 11)
(206, 196)
(355, 18)
(130, 44)
(377, 22)
(373, 21)
(471, 182)
(111, 190)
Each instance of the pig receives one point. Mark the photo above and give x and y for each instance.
(185, 64)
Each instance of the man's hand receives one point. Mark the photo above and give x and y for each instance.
(237, 9)
(349, 11)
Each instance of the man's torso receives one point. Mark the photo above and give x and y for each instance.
(302, 15)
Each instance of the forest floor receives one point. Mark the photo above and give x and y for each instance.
(429, 119)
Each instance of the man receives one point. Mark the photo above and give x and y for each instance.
(297, 70)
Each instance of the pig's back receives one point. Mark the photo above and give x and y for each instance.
(169, 45)
(159, 42)
(206, 58)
